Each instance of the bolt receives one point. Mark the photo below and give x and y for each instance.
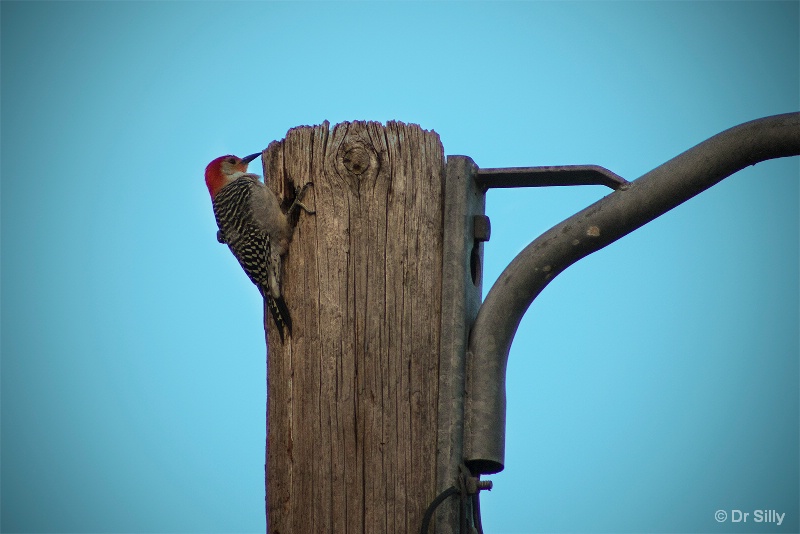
(484, 485)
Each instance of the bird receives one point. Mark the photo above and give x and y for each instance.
(255, 227)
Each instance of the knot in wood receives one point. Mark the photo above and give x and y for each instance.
(356, 159)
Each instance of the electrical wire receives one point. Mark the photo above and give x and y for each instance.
(426, 519)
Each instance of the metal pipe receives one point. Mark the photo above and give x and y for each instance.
(597, 226)
(462, 258)
(554, 175)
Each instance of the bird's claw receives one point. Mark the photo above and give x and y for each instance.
(298, 195)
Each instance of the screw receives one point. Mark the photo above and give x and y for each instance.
(484, 485)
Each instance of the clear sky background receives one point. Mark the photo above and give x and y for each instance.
(650, 385)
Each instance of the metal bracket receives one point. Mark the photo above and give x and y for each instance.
(633, 205)
(466, 228)
(554, 175)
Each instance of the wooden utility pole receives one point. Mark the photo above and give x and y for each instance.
(390, 393)
(353, 393)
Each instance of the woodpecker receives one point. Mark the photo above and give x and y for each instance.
(255, 228)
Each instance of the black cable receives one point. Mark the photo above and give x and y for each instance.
(476, 512)
(426, 519)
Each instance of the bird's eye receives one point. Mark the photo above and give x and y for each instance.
(232, 161)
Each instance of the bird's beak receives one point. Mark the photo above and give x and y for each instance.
(251, 157)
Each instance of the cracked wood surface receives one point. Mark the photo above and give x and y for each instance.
(352, 394)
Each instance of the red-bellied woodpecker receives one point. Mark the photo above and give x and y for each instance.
(255, 228)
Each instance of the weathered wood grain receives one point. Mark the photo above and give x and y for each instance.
(352, 394)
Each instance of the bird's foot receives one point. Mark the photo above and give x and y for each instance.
(298, 195)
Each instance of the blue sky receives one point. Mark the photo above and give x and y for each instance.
(650, 384)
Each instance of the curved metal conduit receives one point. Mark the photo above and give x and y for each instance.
(632, 205)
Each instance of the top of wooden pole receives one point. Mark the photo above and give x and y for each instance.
(353, 393)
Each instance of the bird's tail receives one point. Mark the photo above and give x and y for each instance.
(280, 314)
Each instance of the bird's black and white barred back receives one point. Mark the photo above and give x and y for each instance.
(255, 227)
(251, 244)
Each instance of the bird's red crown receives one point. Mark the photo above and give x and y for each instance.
(223, 170)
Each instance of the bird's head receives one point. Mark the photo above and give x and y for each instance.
(226, 169)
